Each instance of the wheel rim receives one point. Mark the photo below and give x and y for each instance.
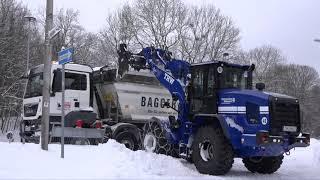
(149, 142)
(206, 151)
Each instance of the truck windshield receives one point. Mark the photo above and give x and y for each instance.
(34, 86)
(234, 77)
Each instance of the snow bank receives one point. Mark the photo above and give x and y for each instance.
(110, 160)
(316, 151)
(114, 161)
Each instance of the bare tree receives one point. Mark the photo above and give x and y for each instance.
(13, 38)
(265, 58)
(88, 51)
(71, 31)
(295, 80)
(120, 28)
(158, 22)
(207, 34)
(191, 33)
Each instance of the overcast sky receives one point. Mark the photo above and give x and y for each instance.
(290, 25)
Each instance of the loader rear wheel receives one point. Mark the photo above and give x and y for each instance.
(212, 153)
(154, 140)
(263, 165)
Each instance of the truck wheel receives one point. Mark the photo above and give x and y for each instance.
(212, 153)
(154, 139)
(263, 165)
(128, 140)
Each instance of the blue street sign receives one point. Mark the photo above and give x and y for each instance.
(65, 56)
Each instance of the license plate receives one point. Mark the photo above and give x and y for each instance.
(290, 128)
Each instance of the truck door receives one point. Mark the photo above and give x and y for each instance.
(203, 94)
(77, 92)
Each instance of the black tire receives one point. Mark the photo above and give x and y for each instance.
(107, 135)
(263, 165)
(212, 153)
(159, 144)
(128, 140)
(80, 141)
(94, 141)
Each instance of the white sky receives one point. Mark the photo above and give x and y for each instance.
(290, 25)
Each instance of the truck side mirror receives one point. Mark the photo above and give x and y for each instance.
(260, 86)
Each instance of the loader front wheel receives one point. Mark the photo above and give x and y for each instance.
(154, 139)
(212, 153)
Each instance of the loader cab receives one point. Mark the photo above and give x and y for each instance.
(207, 79)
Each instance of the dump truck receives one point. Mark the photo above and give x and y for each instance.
(120, 105)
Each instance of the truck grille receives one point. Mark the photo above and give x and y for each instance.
(284, 112)
(30, 110)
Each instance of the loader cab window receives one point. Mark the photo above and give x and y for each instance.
(235, 78)
(211, 82)
(198, 83)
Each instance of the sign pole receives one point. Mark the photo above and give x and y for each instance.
(46, 79)
(64, 56)
(62, 110)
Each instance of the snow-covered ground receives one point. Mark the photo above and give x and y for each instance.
(113, 160)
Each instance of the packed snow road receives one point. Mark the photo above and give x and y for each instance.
(113, 160)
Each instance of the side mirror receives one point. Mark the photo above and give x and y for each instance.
(252, 67)
(260, 86)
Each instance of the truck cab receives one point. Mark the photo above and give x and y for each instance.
(77, 96)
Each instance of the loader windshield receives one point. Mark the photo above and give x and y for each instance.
(235, 77)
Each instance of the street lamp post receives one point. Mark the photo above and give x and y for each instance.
(30, 19)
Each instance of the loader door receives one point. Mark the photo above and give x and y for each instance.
(202, 93)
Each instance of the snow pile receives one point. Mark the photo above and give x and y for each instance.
(316, 151)
(110, 160)
(114, 161)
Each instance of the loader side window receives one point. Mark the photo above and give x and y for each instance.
(198, 83)
(211, 83)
